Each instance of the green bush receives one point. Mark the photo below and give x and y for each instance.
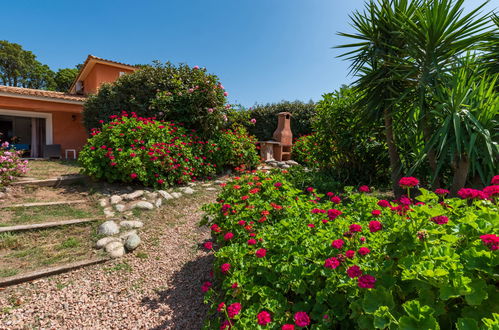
(235, 148)
(181, 94)
(346, 145)
(288, 256)
(305, 150)
(266, 118)
(157, 153)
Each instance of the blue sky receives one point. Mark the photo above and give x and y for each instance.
(262, 50)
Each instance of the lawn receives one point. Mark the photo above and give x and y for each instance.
(45, 169)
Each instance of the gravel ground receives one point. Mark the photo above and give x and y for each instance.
(156, 287)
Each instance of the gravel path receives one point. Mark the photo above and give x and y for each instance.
(156, 287)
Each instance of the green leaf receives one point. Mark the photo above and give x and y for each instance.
(419, 317)
(478, 292)
(374, 299)
(382, 317)
(466, 324)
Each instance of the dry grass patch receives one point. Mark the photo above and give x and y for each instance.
(46, 169)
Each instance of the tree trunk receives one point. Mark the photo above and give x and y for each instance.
(432, 156)
(395, 163)
(461, 168)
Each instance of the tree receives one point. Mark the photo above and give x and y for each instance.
(64, 78)
(19, 68)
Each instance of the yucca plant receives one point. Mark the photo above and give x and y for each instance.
(466, 113)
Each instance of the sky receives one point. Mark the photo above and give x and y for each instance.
(262, 50)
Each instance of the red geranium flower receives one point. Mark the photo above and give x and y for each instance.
(264, 318)
(408, 182)
(350, 254)
(338, 243)
(228, 236)
(366, 282)
(375, 226)
(225, 268)
(364, 189)
(355, 228)
(260, 253)
(354, 271)
(363, 251)
(440, 220)
(233, 309)
(332, 263)
(302, 319)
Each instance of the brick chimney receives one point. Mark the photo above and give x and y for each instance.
(283, 132)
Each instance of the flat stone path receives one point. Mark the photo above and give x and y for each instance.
(156, 287)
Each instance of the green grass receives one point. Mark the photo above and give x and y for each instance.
(8, 240)
(124, 266)
(70, 243)
(8, 272)
(38, 214)
(142, 255)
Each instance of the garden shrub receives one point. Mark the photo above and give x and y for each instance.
(347, 146)
(266, 118)
(304, 150)
(11, 164)
(181, 94)
(235, 148)
(287, 257)
(159, 153)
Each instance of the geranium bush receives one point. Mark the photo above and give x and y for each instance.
(289, 258)
(11, 164)
(159, 153)
(305, 150)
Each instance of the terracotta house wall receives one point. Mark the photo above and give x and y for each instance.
(100, 74)
(68, 131)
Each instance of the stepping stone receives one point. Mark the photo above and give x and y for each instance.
(143, 205)
(187, 190)
(120, 207)
(132, 241)
(176, 194)
(105, 241)
(292, 162)
(165, 194)
(136, 194)
(115, 249)
(109, 228)
(108, 212)
(158, 202)
(115, 199)
(103, 202)
(124, 236)
(131, 224)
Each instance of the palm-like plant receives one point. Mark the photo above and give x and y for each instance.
(466, 111)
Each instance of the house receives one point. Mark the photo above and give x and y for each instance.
(42, 122)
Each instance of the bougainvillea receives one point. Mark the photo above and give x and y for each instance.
(11, 164)
(424, 263)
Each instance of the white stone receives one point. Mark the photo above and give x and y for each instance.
(109, 228)
(132, 241)
(286, 166)
(105, 241)
(292, 162)
(143, 205)
(136, 194)
(165, 194)
(126, 234)
(108, 212)
(158, 202)
(192, 184)
(151, 195)
(211, 189)
(187, 190)
(2, 195)
(206, 185)
(115, 249)
(176, 194)
(115, 199)
(131, 224)
(103, 202)
(120, 207)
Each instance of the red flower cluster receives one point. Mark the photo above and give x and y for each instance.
(364, 189)
(333, 213)
(440, 220)
(260, 253)
(442, 192)
(264, 318)
(491, 241)
(233, 309)
(495, 179)
(338, 243)
(332, 263)
(354, 271)
(375, 226)
(366, 281)
(469, 193)
(302, 319)
(408, 182)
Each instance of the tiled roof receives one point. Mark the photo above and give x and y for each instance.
(104, 60)
(41, 93)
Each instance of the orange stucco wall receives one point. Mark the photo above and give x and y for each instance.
(66, 131)
(100, 74)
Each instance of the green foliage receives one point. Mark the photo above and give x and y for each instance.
(345, 144)
(266, 118)
(20, 68)
(64, 78)
(305, 150)
(189, 96)
(423, 279)
(157, 153)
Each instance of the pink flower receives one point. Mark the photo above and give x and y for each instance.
(252, 241)
(225, 268)
(364, 189)
(196, 67)
(208, 245)
(278, 184)
(495, 179)
(288, 327)
(310, 189)
(302, 319)
(376, 213)
(311, 225)
(206, 286)
(491, 191)
(253, 121)
(233, 309)
(225, 325)
(264, 318)
(375, 226)
(366, 281)
(363, 251)
(383, 203)
(354, 228)
(245, 197)
(336, 200)
(234, 285)
(215, 228)
(338, 243)
(490, 240)
(440, 220)
(354, 271)
(408, 182)
(260, 253)
(228, 236)
(226, 94)
(133, 175)
(350, 254)
(333, 213)
(221, 307)
(441, 191)
(468, 193)
(332, 263)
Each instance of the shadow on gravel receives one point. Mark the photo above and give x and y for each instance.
(184, 296)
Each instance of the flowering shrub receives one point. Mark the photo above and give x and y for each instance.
(11, 164)
(157, 153)
(235, 148)
(304, 150)
(297, 258)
